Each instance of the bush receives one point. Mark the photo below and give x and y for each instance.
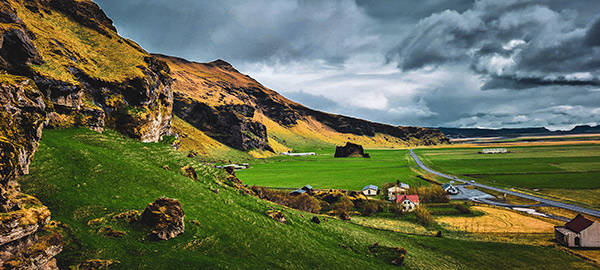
(344, 205)
(424, 217)
(370, 208)
(430, 194)
(305, 203)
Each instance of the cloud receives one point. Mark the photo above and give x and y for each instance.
(519, 44)
(246, 31)
(461, 63)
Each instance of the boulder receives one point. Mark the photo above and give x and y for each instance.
(277, 215)
(315, 219)
(165, 216)
(350, 150)
(189, 171)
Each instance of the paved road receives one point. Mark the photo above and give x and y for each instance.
(567, 206)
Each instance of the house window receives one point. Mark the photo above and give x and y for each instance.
(577, 241)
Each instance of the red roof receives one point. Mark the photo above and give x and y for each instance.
(412, 198)
(579, 223)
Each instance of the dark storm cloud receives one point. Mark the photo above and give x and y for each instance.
(520, 44)
(460, 61)
(244, 31)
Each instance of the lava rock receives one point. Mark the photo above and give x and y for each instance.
(166, 218)
(350, 150)
(315, 219)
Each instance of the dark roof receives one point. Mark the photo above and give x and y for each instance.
(307, 187)
(579, 223)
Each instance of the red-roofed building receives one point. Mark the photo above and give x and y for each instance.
(408, 202)
(579, 232)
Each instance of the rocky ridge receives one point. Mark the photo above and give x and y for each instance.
(62, 64)
(238, 111)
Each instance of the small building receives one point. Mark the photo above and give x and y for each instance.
(450, 189)
(579, 232)
(298, 154)
(408, 202)
(307, 188)
(297, 192)
(494, 151)
(370, 190)
(397, 190)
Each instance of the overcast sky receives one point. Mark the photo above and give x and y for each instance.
(488, 63)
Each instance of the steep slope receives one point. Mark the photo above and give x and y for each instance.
(91, 75)
(240, 112)
(62, 64)
(87, 178)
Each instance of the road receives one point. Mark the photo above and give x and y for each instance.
(567, 206)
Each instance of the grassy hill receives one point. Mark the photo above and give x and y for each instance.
(85, 176)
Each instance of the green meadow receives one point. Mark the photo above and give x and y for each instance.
(574, 167)
(552, 170)
(323, 171)
(82, 176)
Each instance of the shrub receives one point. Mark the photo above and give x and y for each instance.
(370, 208)
(305, 203)
(424, 217)
(344, 205)
(430, 194)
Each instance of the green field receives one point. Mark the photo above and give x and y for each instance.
(547, 168)
(324, 171)
(82, 175)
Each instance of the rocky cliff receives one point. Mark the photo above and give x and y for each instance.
(63, 64)
(241, 113)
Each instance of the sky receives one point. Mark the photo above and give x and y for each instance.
(433, 63)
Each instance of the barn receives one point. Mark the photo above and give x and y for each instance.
(579, 232)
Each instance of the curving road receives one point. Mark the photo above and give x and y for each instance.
(567, 206)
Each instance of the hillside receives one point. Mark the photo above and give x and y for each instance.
(86, 178)
(238, 111)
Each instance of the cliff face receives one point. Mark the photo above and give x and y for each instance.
(241, 113)
(62, 64)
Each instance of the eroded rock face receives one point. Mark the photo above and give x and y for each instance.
(350, 150)
(230, 124)
(166, 218)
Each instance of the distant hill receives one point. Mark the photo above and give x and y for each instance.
(241, 113)
(513, 132)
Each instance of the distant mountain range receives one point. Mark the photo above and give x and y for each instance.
(514, 132)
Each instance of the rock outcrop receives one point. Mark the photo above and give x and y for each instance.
(350, 150)
(165, 216)
(79, 74)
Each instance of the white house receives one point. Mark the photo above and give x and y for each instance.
(298, 154)
(450, 189)
(579, 232)
(494, 151)
(408, 202)
(397, 190)
(370, 190)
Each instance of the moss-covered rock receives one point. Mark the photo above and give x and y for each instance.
(166, 218)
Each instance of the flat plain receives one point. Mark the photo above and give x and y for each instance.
(564, 172)
(323, 171)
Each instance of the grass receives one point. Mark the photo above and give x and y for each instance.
(82, 175)
(323, 171)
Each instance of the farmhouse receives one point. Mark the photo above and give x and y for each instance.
(450, 189)
(579, 232)
(494, 151)
(370, 190)
(408, 202)
(397, 190)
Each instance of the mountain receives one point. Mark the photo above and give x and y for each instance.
(514, 132)
(239, 112)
